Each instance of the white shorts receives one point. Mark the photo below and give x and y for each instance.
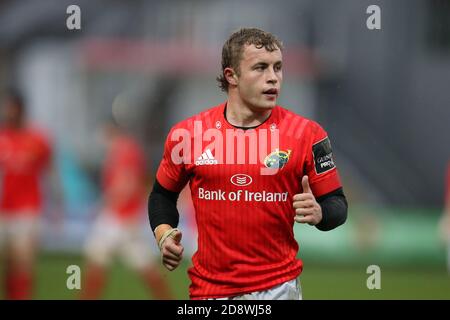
(289, 290)
(110, 236)
(19, 231)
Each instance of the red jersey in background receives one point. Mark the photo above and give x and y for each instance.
(24, 154)
(123, 178)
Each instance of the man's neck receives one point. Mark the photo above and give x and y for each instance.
(240, 115)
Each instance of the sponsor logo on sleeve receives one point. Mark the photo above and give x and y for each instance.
(323, 156)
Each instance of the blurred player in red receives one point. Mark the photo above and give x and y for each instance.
(24, 155)
(118, 227)
(445, 221)
(253, 168)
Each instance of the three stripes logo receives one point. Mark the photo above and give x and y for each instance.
(206, 159)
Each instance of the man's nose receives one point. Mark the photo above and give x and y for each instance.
(271, 77)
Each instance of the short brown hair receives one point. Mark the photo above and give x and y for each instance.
(234, 46)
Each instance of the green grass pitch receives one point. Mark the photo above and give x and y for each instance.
(318, 281)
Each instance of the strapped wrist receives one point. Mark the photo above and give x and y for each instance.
(165, 235)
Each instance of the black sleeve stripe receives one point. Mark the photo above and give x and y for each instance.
(172, 196)
(334, 210)
(162, 207)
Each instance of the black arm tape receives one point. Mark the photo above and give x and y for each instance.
(162, 207)
(334, 210)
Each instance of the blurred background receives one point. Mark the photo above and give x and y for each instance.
(382, 95)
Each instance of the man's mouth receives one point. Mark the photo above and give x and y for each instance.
(271, 93)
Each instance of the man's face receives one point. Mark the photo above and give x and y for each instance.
(259, 81)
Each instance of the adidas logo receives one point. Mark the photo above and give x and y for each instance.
(206, 159)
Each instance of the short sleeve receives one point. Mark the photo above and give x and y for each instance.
(320, 165)
(171, 172)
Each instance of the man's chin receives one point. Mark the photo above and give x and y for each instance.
(266, 105)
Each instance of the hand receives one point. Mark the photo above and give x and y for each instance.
(172, 251)
(307, 210)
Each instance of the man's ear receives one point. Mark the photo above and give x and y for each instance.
(231, 76)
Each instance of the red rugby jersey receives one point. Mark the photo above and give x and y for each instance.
(242, 191)
(24, 154)
(123, 178)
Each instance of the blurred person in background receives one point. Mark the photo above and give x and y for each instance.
(445, 221)
(117, 229)
(25, 153)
